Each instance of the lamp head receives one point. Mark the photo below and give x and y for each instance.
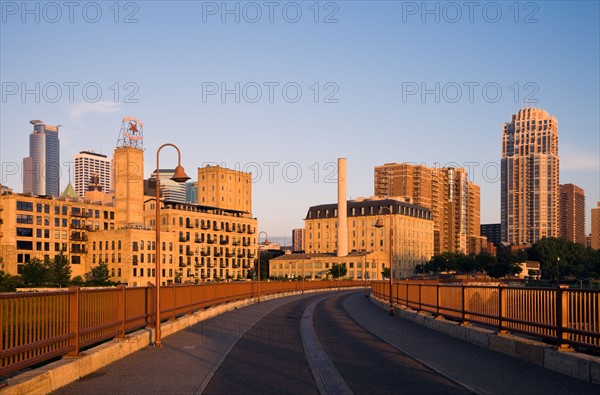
(180, 175)
(379, 223)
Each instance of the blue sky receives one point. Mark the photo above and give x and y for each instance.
(355, 75)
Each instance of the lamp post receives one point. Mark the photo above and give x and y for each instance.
(379, 224)
(258, 253)
(178, 176)
(558, 271)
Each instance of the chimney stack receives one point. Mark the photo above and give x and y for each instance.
(342, 240)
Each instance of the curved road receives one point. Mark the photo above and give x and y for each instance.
(317, 343)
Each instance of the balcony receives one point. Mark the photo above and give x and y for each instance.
(224, 240)
(239, 229)
(189, 226)
(205, 226)
(223, 265)
(78, 226)
(216, 227)
(217, 254)
(81, 214)
(211, 241)
(204, 253)
(251, 254)
(246, 265)
(230, 254)
(211, 264)
(78, 237)
(236, 243)
(183, 264)
(251, 231)
(199, 264)
(190, 253)
(229, 228)
(183, 239)
(240, 255)
(78, 250)
(246, 243)
(199, 240)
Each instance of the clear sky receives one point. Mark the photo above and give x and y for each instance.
(373, 81)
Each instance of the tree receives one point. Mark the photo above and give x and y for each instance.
(8, 282)
(34, 273)
(507, 263)
(100, 275)
(58, 271)
(338, 270)
(385, 273)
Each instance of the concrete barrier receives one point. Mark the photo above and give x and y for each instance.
(60, 373)
(581, 366)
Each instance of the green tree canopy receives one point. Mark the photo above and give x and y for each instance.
(338, 270)
(34, 273)
(58, 271)
(100, 275)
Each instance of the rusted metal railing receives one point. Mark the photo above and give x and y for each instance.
(566, 317)
(38, 326)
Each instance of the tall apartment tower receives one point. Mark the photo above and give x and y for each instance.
(298, 239)
(529, 177)
(453, 200)
(41, 169)
(89, 163)
(572, 213)
(225, 188)
(595, 236)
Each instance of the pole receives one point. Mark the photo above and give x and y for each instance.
(157, 341)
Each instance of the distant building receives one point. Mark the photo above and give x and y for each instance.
(298, 239)
(225, 188)
(529, 177)
(530, 269)
(169, 189)
(595, 236)
(493, 233)
(572, 213)
(412, 231)
(191, 192)
(454, 201)
(41, 169)
(89, 163)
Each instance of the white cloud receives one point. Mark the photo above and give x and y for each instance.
(100, 107)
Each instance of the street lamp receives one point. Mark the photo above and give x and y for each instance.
(258, 253)
(179, 176)
(379, 224)
(558, 271)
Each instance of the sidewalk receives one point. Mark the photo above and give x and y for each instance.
(481, 369)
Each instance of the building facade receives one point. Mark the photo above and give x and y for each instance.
(169, 189)
(89, 163)
(41, 169)
(225, 188)
(529, 177)
(412, 231)
(454, 201)
(595, 236)
(492, 232)
(298, 239)
(572, 213)
(361, 265)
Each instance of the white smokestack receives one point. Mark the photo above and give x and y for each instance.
(342, 247)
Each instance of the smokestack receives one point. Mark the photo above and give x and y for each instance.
(342, 241)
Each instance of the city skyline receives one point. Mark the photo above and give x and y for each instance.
(382, 114)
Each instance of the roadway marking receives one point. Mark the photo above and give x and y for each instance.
(329, 381)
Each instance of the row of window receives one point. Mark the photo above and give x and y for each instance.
(63, 210)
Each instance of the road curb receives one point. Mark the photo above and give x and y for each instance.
(580, 366)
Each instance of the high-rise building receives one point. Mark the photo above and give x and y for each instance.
(572, 213)
(493, 233)
(169, 189)
(453, 200)
(298, 239)
(225, 188)
(191, 192)
(595, 236)
(41, 169)
(89, 163)
(529, 177)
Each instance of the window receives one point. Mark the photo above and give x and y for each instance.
(24, 206)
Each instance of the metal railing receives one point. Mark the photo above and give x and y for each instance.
(38, 326)
(566, 317)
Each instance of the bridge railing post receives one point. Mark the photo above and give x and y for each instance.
(74, 320)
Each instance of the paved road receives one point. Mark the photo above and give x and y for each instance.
(337, 342)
